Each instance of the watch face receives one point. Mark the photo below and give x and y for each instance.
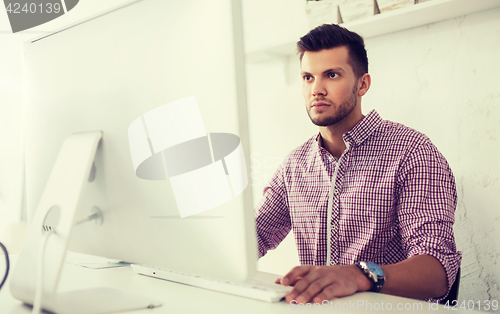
(375, 269)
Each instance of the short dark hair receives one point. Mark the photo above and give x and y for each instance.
(328, 36)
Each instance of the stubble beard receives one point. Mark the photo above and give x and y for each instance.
(343, 110)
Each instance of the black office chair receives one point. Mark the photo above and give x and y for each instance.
(453, 295)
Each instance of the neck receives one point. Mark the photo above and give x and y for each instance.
(332, 134)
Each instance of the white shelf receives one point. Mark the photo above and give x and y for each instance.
(388, 22)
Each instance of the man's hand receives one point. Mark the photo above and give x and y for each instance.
(319, 283)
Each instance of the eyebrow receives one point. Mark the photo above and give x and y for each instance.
(335, 69)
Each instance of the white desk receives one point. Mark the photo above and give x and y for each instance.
(178, 298)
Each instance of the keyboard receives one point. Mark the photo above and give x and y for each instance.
(251, 288)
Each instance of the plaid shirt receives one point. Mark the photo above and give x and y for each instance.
(390, 196)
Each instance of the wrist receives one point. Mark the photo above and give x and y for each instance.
(362, 282)
(374, 273)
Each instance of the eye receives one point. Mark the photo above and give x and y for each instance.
(332, 75)
(307, 77)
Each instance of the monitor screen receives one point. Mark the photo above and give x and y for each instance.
(164, 82)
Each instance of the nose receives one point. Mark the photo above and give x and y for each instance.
(318, 88)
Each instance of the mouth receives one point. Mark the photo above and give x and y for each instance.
(319, 104)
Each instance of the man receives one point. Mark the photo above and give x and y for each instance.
(371, 202)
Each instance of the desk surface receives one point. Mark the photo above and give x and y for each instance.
(178, 298)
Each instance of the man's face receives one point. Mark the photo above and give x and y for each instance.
(329, 85)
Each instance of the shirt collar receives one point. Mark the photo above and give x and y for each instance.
(364, 129)
(361, 131)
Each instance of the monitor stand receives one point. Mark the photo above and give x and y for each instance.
(51, 224)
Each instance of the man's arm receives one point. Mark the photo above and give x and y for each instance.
(272, 217)
(419, 277)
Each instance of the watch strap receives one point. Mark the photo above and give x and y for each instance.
(376, 280)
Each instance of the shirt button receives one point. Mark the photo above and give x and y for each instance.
(335, 191)
(333, 227)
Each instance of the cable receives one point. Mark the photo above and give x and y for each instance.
(39, 274)
(96, 215)
(89, 218)
(4, 249)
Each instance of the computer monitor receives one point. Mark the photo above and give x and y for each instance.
(122, 71)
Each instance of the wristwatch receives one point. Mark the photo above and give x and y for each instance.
(374, 273)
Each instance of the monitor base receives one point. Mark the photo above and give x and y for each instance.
(100, 300)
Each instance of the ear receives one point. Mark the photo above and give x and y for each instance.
(364, 83)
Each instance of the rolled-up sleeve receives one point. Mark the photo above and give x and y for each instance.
(427, 199)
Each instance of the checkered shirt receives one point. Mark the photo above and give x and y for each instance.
(393, 197)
